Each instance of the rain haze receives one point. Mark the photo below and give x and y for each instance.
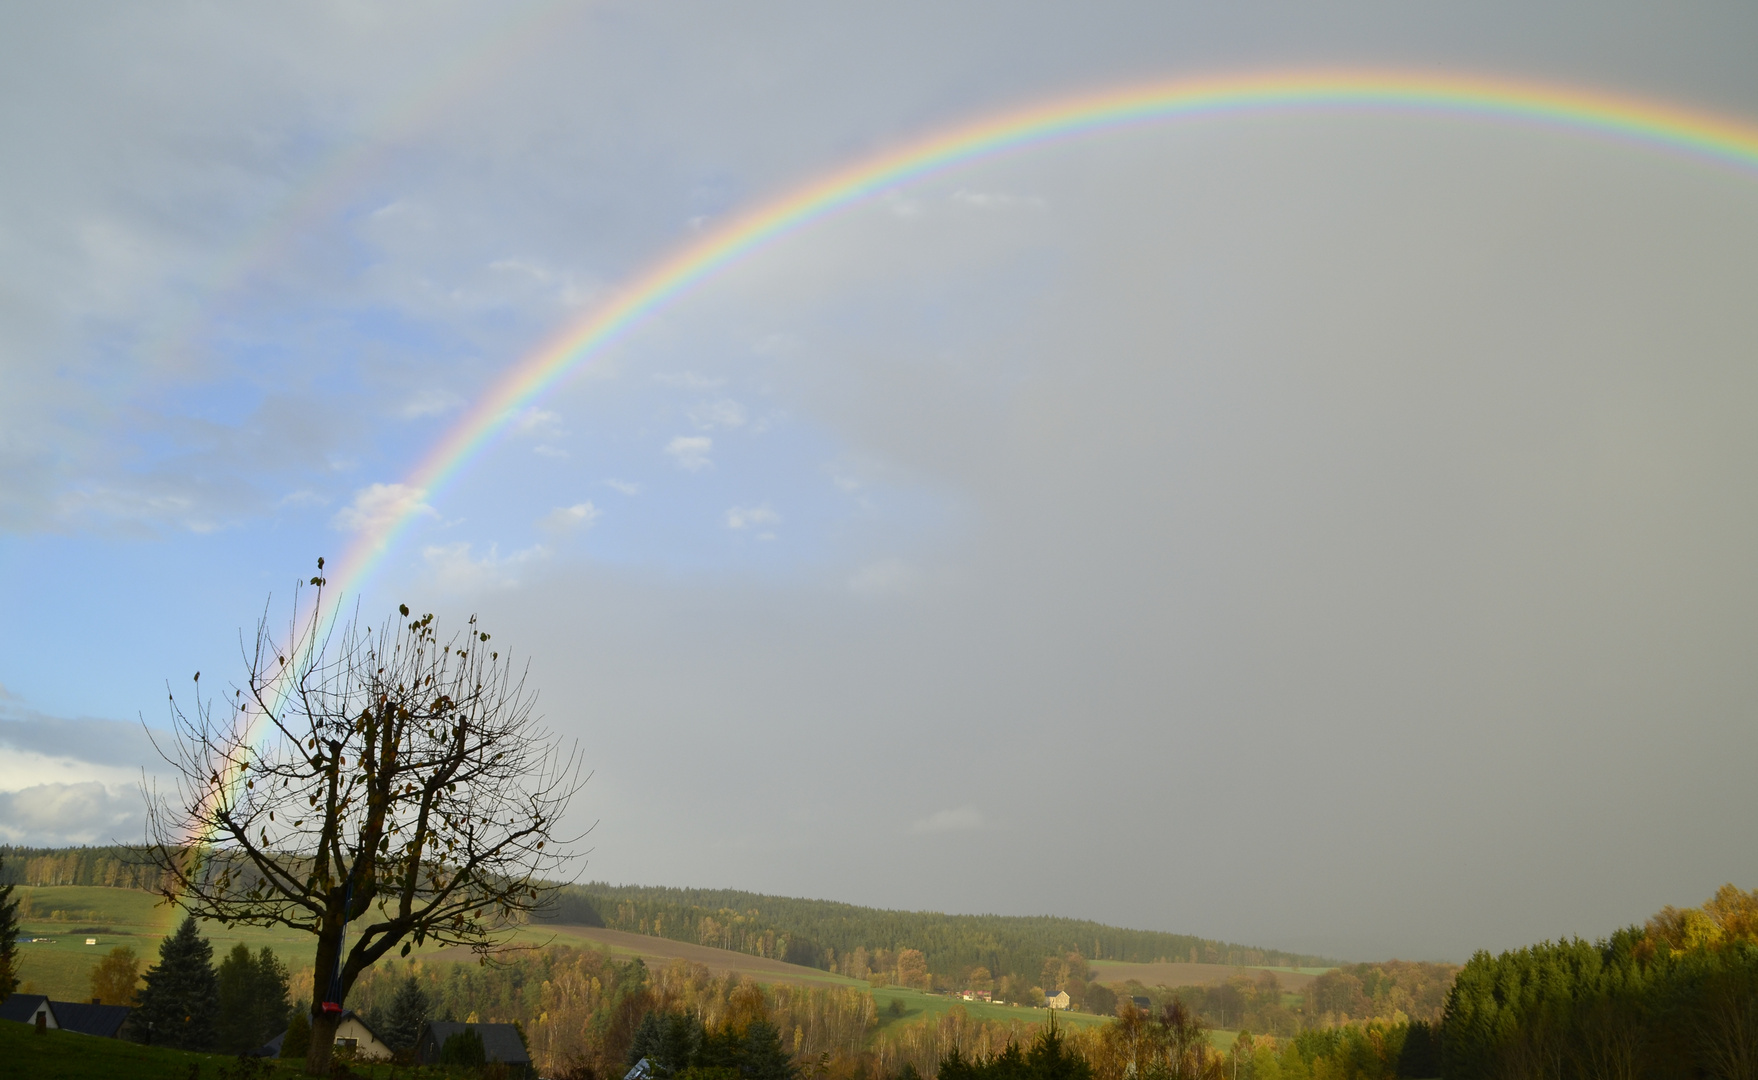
(1320, 528)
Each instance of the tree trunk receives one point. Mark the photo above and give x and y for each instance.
(323, 1042)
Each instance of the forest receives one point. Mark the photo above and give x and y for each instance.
(864, 942)
(1677, 997)
(1006, 954)
(1674, 997)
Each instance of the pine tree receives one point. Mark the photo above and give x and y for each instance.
(298, 1039)
(409, 1011)
(179, 1003)
(252, 999)
(8, 939)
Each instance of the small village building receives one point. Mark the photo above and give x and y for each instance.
(91, 1018)
(500, 1043)
(25, 1008)
(104, 1021)
(353, 1034)
(1142, 1004)
(1058, 1000)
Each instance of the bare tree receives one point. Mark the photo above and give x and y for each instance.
(370, 787)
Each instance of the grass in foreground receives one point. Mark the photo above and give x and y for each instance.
(64, 1055)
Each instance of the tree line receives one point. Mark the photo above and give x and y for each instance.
(866, 942)
(1677, 997)
(188, 1002)
(110, 866)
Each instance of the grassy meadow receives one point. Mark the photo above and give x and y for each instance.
(65, 1055)
(66, 915)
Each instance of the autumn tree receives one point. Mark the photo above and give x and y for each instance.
(377, 788)
(115, 977)
(912, 969)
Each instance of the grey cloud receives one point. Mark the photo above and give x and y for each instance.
(51, 815)
(1336, 528)
(1375, 571)
(101, 742)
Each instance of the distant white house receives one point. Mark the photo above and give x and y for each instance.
(353, 1034)
(1058, 1000)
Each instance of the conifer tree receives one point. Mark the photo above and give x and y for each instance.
(178, 1005)
(8, 939)
(409, 1011)
(252, 996)
(298, 1039)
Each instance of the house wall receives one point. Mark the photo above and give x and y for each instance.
(365, 1044)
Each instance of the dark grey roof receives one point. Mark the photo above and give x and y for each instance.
(22, 1007)
(272, 1048)
(89, 1019)
(500, 1042)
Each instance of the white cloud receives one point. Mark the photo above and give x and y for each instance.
(901, 205)
(58, 814)
(430, 402)
(21, 768)
(536, 421)
(302, 498)
(994, 200)
(691, 451)
(959, 819)
(379, 506)
(559, 283)
(579, 517)
(455, 569)
(751, 517)
(627, 487)
(725, 413)
(882, 578)
(688, 380)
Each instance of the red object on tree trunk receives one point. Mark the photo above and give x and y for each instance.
(331, 1007)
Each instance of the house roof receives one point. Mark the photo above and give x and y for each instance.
(500, 1042)
(22, 1007)
(89, 1019)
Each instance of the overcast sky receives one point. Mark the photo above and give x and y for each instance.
(1322, 530)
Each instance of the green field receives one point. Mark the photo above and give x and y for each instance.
(64, 1055)
(69, 914)
(66, 915)
(918, 1005)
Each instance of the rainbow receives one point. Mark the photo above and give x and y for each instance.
(1594, 113)
(1590, 113)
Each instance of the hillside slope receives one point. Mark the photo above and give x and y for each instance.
(830, 935)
